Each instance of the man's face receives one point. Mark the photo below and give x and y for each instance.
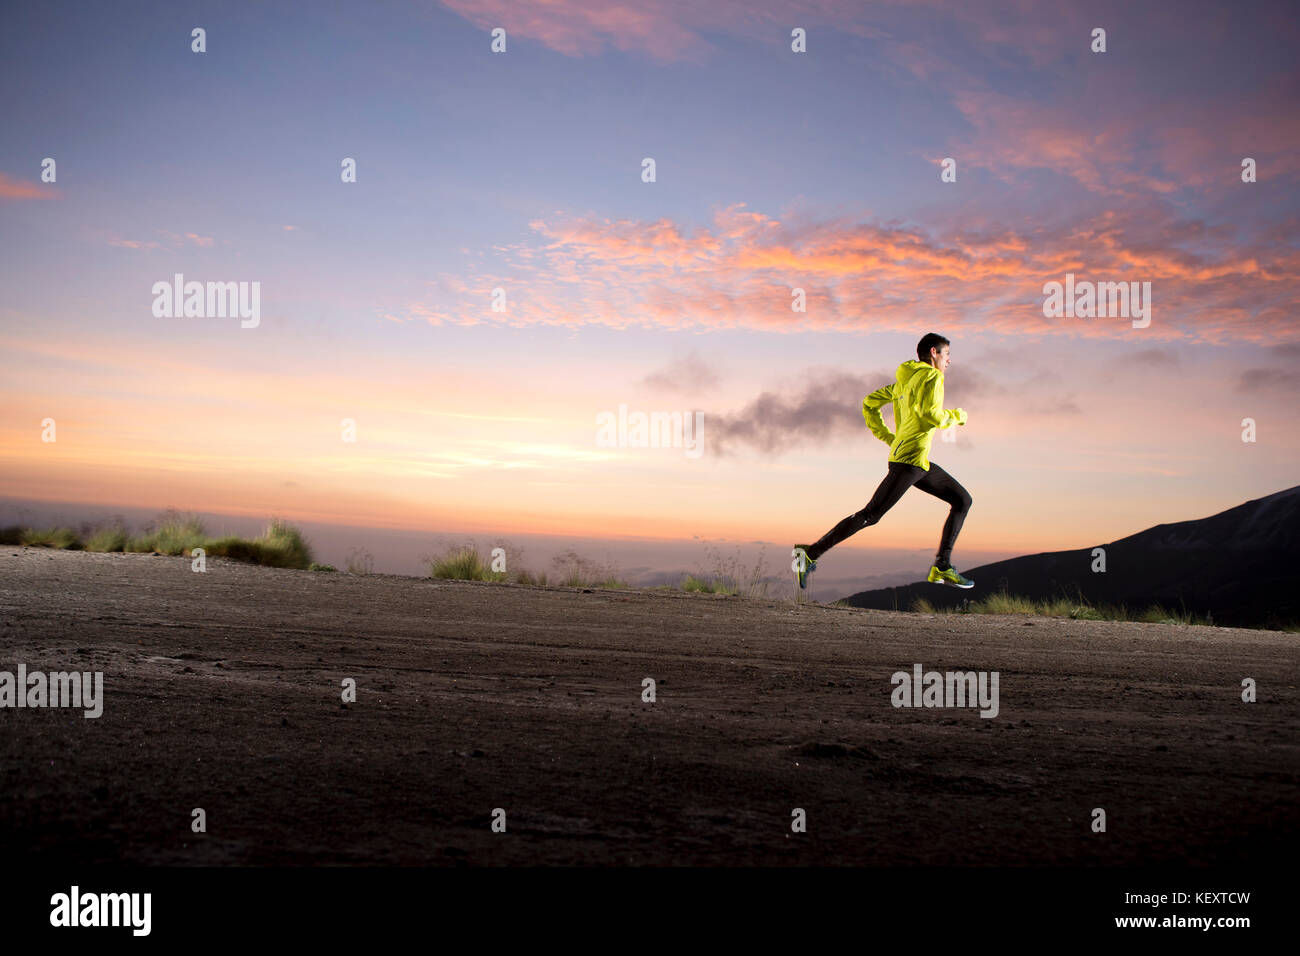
(939, 358)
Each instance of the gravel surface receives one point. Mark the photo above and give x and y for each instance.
(222, 691)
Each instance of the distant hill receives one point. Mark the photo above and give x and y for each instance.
(1242, 566)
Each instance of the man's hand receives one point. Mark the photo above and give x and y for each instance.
(961, 415)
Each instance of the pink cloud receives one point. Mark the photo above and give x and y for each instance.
(133, 243)
(1111, 152)
(189, 238)
(11, 188)
(1135, 152)
(173, 240)
(667, 30)
(1009, 32)
(1206, 284)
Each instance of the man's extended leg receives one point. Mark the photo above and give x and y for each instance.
(899, 478)
(945, 487)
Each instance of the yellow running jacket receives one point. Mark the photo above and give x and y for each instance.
(917, 395)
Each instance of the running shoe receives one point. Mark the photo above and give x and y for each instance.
(802, 564)
(951, 577)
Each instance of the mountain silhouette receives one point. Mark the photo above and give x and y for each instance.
(1238, 566)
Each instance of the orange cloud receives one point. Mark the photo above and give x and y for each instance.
(133, 243)
(187, 239)
(1207, 284)
(174, 240)
(11, 188)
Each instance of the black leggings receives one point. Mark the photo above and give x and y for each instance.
(936, 481)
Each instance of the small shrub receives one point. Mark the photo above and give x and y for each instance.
(236, 548)
(285, 546)
(728, 575)
(175, 532)
(280, 546)
(62, 538)
(574, 571)
(1088, 614)
(710, 586)
(108, 539)
(360, 561)
(513, 562)
(1002, 603)
(460, 563)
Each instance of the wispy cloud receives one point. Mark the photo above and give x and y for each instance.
(690, 374)
(11, 188)
(970, 273)
(188, 238)
(1136, 152)
(666, 30)
(133, 243)
(171, 240)
(1267, 378)
(1163, 357)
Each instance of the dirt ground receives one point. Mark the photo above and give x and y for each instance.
(222, 691)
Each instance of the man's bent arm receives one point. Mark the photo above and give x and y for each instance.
(929, 407)
(871, 412)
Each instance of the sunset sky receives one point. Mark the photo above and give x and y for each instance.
(523, 170)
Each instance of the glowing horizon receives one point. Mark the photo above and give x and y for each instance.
(523, 172)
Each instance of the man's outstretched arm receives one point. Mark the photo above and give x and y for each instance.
(871, 412)
(929, 407)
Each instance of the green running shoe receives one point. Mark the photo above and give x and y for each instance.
(951, 577)
(802, 565)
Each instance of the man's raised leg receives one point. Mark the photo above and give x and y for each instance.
(897, 480)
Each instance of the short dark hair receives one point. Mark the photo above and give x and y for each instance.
(931, 340)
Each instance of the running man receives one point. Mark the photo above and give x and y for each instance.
(917, 395)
